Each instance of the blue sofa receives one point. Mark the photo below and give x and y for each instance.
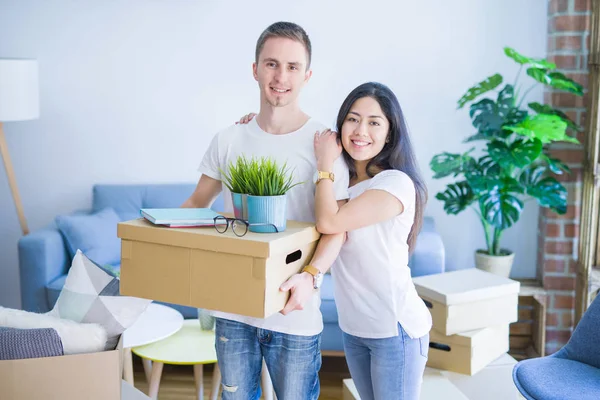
(44, 257)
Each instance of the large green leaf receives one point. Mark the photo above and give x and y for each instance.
(482, 87)
(519, 153)
(482, 184)
(521, 59)
(488, 117)
(487, 166)
(500, 209)
(556, 80)
(555, 165)
(546, 190)
(477, 136)
(515, 116)
(445, 164)
(547, 128)
(531, 175)
(550, 193)
(456, 197)
(546, 109)
(506, 97)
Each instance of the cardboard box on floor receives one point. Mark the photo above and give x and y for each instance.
(91, 376)
(467, 352)
(494, 382)
(464, 300)
(202, 268)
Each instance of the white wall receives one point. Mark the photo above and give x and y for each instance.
(132, 91)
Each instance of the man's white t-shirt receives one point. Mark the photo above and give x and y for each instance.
(296, 149)
(373, 287)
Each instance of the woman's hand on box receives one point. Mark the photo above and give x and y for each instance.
(246, 119)
(301, 290)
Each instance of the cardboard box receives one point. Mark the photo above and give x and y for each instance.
(468, 352)
(349, 391)
(494, 382)
(469, 299)
(200, 267)
(435, 387)
(92, 376)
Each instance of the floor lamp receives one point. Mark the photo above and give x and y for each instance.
(19, 101)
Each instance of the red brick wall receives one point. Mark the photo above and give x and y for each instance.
(568, 46)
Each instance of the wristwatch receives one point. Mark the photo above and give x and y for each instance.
(317, 275)
(325, 175)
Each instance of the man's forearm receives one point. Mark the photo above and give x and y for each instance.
(195, 201)
(206, 192)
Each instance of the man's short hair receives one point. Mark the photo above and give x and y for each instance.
(287, 30)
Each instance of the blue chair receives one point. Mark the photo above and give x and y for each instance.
(573, 372)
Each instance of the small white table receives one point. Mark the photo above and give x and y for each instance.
(156, 323)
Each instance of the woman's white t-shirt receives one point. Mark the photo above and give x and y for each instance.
(373, 287)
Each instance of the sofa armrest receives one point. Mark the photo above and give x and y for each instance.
(43, 257)
(429, 256)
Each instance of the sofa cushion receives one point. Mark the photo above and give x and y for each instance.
(328, 308)
(127, 200)
(91, 295)
(94, 234)
(54, 288)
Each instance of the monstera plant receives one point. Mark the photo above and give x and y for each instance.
(511, 164)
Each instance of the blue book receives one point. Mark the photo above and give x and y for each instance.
(180, 217)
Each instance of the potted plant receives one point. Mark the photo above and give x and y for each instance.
(265, 184)
(235, 180)
(512, 164)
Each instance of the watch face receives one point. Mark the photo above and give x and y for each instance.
(318, 280)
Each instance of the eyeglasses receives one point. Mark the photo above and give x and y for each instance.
(239, 226)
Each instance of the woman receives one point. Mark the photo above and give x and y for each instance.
(385, 323)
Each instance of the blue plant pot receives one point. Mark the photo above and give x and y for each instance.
(240, 205)
(264, 210)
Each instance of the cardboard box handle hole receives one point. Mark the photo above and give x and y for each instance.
(293, 257)
(439, 346)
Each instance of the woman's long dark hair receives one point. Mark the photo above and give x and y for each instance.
(396, 154)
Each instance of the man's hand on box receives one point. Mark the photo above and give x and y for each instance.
(301, 288)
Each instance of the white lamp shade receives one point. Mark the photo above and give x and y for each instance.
(19, 94)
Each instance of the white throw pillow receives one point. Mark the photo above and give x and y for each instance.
(76, 338)
(91, 294)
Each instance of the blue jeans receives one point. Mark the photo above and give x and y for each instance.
(293, 362)
(390, 368)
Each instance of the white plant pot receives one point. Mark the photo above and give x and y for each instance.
(499, 265)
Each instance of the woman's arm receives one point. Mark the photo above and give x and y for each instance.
(301, 285)
(371, 207)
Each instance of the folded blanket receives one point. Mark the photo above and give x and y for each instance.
(16, 344)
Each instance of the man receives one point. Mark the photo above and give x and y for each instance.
(289, 341)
